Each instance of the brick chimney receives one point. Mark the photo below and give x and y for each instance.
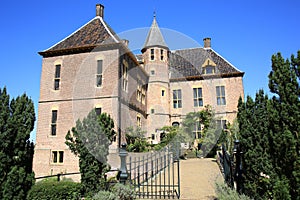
(207, 43)
(100, 10)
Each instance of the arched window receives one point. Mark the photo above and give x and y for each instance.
(175, 124)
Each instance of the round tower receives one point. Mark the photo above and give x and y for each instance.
(155, 56)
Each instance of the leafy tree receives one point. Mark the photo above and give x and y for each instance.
(136, 141)
(16, 151)
(89, 142)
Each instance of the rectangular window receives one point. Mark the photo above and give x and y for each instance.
(198, 100)
(220, 92)
(143, 94)
(161, 54)
(57, 156)
(139, 91)
(152, 54)
(197, 130)
(98, 111)
(57, 77)
(177, 99)
(152, 111)
(53, 122)
(99, 75)
(162, 93)
(152, 72)
(138, 121)
(125, 75)
(153, 136)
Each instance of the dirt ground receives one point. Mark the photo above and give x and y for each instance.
(198, 177)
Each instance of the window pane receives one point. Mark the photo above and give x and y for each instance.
(98, 111)
(179, 104)
(223, 101)
(179, 94)
(174, 104)
(195, 92)
(218, 100)
(195, 103)
(223, 91)
(199, 92)
(200, 101)
(99, 66)
(61, 157)
(99, 80)
(53, 129)
(56, 84)
(54, 116)
(54, 156)
(218, 91)
(57, 71)
(174, 94)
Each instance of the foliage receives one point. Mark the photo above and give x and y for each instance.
(269, 135)
(117, 192)
(89, 142)
(136, 141)
(210, 133)
(107, 126)
(55, 190)
(226, 193)
(17, 118)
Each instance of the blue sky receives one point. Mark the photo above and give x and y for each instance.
(246, 33)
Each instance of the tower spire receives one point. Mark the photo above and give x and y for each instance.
(155, 37)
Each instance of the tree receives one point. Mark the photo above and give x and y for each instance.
(16, 151)
(269, 134)
(284, 83)
(253, 118)
(136, 141)
(89, 142)
(107, 125)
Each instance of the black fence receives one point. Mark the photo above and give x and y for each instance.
(155, 175)
(232, 166)
(59, 176)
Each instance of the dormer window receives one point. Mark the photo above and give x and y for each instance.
(209, 69)
(152, 54)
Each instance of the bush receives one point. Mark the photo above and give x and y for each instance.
(104, 195)
(118, 192)
(123, 192)
(226, 193)
(55, 190)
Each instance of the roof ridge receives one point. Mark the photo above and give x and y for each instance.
(191, 48)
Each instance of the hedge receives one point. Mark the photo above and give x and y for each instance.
(55, 190)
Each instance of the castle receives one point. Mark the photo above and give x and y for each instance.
(94, 69)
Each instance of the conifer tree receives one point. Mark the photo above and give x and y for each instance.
(284, 84)
(88, 140)
(254, 138)
(16, 151)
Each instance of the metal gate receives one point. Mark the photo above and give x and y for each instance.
(155, 175)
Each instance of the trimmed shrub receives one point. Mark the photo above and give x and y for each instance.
(123, 192)
(104, 195)
(226, 193)
(55, 190)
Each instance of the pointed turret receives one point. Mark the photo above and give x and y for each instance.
(155, 37)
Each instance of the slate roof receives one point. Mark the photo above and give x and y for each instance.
(187, 63)
(96, 32)
(155, 37)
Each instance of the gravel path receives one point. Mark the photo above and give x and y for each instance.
(198, 177)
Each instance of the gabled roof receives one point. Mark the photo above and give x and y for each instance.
(94, 33)
(187, 63)
(155, 37)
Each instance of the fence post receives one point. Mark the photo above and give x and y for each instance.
(123, 169)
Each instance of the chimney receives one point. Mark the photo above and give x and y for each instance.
(100, 10)
(207, 42)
